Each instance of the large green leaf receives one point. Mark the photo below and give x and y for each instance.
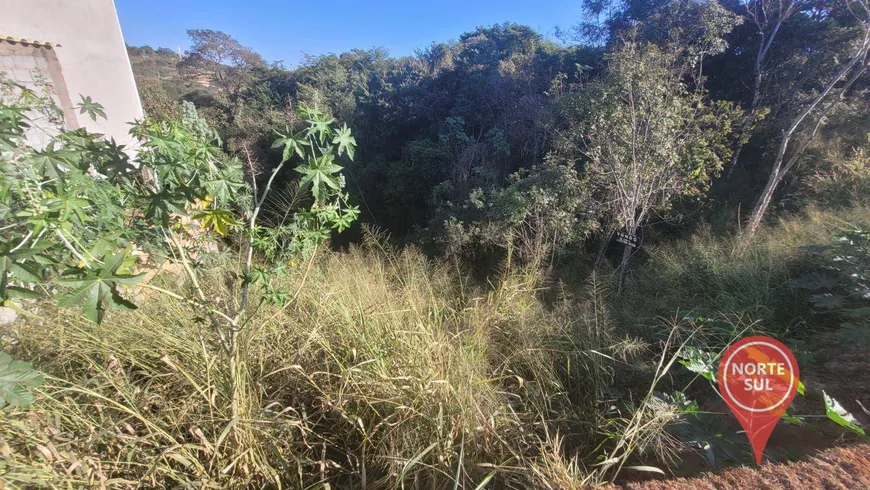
(321, 174)
(220, 220)
(344, 140)
(117, 167)
(25, 272)
(292, 143)
(160, 205)
(224, 185)
(21, 293)
(97, 289)
(320, 126)
(699, 361)
(841, 416)
(15, 379)
(48, 163)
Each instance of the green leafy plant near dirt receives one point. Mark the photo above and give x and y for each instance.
(704, 364)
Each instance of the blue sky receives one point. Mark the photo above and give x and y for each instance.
(284, 30)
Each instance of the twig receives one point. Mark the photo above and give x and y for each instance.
(72, 249)
(186, 300)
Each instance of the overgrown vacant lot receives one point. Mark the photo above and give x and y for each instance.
(501, 262)
(395, 368)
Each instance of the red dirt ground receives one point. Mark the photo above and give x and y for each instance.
(841, 468)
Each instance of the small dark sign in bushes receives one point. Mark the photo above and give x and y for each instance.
(628, 240)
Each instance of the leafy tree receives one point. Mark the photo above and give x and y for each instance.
(648, 139)
(74, 211)
(547, 208)
(768, 17)
(217, 58)
(318, 147)
(468, 114)
(697, 24)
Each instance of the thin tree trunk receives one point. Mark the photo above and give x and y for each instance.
(764, 201)
(623, 267)
(779, 171)
(785, 12)
(626, 256)
(602, 249)
(763, 46)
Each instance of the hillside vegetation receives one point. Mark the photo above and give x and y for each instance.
(503, 262)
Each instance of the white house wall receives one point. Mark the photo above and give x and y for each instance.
(91, 52)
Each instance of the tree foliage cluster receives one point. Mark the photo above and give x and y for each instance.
(646, 109)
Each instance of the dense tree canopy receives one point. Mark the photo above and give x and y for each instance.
(448, 137)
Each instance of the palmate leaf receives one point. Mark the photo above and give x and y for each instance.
(220, 220)
(97, 289)
(699, 361)
(258, 275)
(15, 379)
(320, 173)
(320, 126)
(344, 140)
(292, 143)
(69, 205)
(225, 185)
(162, 143)
(161, 204)
(93, 109)
(48, 163)
(346, 219)
(117, 167)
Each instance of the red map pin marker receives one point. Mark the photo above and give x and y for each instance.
(758, 378)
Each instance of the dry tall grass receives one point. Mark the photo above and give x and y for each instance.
(706, 273)
(389, 372)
